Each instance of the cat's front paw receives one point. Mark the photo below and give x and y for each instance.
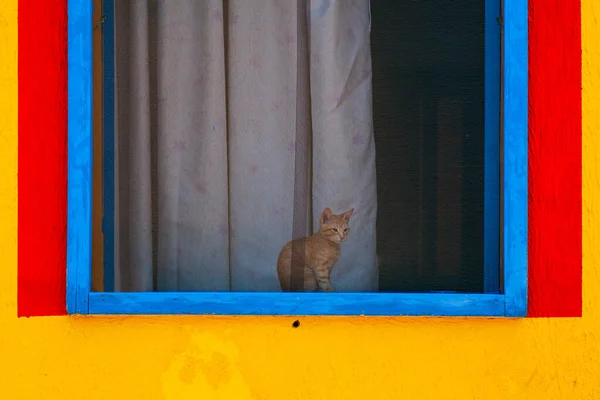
(328, 289)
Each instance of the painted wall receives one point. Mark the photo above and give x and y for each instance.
(239, 358)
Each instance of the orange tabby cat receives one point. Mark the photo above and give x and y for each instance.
(318, 253)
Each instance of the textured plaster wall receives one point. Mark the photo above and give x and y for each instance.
(350, 358)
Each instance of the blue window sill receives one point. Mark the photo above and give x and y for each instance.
(300, 304)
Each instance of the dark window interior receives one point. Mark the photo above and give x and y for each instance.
(428, 104)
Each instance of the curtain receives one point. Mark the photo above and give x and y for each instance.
(236, 123)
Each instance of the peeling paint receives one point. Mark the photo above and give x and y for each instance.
(207, 365)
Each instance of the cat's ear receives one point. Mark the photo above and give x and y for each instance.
(348, 214)
(326, 215)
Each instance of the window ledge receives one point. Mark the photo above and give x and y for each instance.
(298, 304)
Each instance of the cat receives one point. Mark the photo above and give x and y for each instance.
(321, 252)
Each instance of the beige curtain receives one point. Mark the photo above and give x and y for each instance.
(237, 122)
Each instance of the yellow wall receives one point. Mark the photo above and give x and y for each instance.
(238, 358)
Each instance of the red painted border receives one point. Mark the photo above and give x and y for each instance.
(555, 259)
(555, 252)
(42, 157)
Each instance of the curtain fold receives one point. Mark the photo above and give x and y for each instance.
(237, 123)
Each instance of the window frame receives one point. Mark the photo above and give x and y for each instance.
(512, 203)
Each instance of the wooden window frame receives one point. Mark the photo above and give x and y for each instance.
(512, 302)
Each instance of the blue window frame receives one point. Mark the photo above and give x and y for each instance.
(505, 166)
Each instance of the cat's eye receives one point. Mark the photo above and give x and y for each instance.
(345, 230)
(334, 229)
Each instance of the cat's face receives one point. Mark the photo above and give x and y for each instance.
(335, 227)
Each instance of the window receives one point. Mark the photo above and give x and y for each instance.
(236, 129)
